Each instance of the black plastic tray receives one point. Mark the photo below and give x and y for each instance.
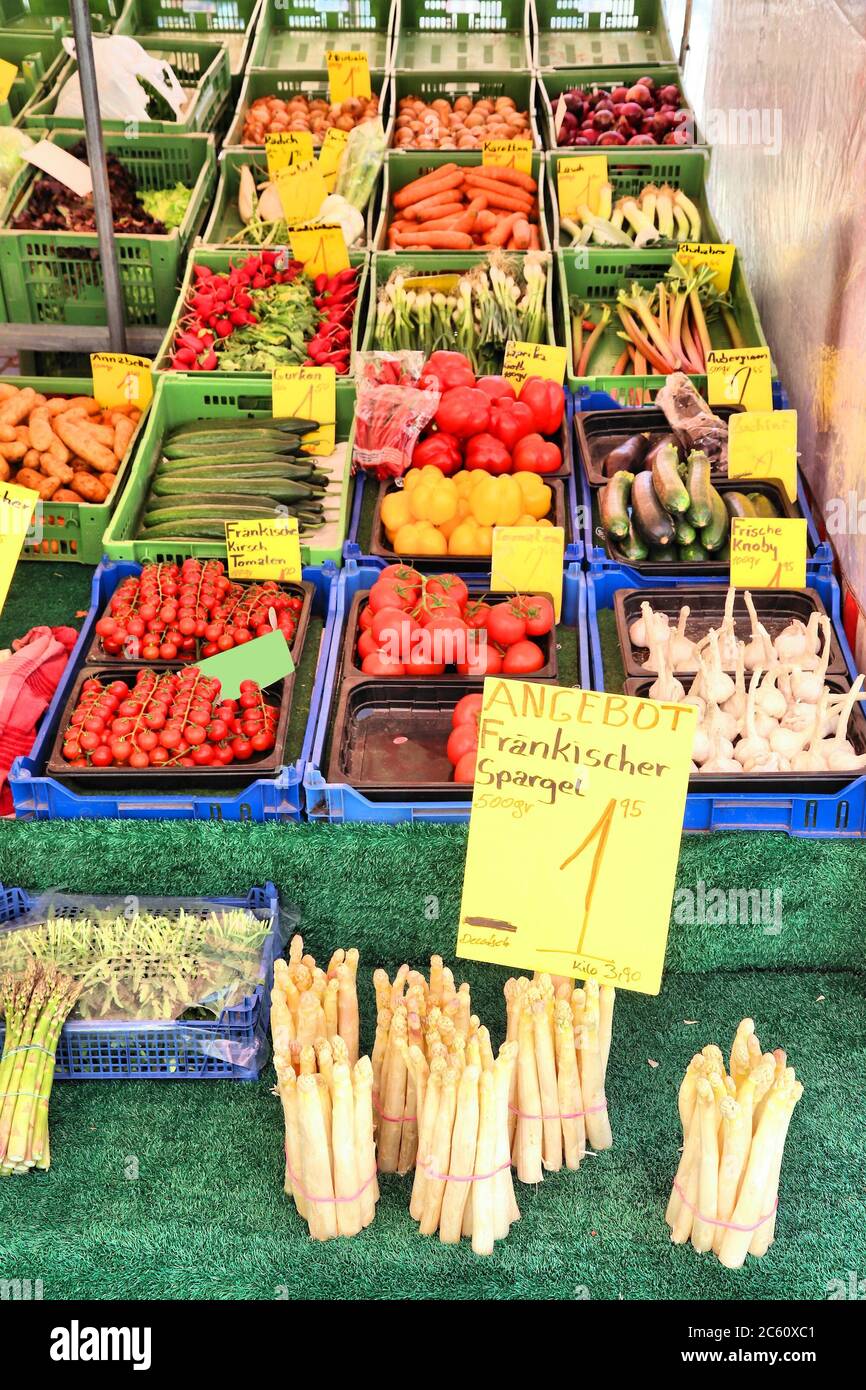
(379, 544)
(599, 431)
(302, 588)
(793, 783)
(389, 738)
(775, 608)
(117, 777)
(350, 666)
(783, 505)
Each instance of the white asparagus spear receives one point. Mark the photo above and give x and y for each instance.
(708, 1173)
(545, 1063)
(347, 1178)
(482, 1198)
(365, 1144)
(316, 1160)
(749, 1208)
(765, 1234)
(464, 1142)
(432, 1097)
(506, 1203)
(568, 1088)
(528, 1134)
(440, 1155)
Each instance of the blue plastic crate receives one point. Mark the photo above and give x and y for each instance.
(831, 815)
(338, 802)
(587, 399)
(227, 1046)
(39, 797)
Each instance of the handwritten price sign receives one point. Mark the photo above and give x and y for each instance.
(308, 393)
(578, 183)
(768, 552)
(348, 74)
(763, 444)
(119, 379)
(740, 376)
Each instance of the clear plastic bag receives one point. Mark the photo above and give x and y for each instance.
(390, 411)
(362, 160)
(124, 73)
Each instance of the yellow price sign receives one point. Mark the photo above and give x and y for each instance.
(528, 560)
(523, 360)
(763, 444)
(508, 154)
(309, 393)
(302, 191)
(740, 376)
(8, 73)
(348, 74)
(768, 552)
(322, 248)
(719, 256)
(331, 154)
(17, 506)
(286, 147)
(264, 549)
(434, 284)
(589, 788)
(119, 379)
(579, 181)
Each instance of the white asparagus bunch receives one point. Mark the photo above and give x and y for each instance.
(308, 1003)
(417, 1021)
(463, 1183)
(330, 1149)
(558, 1099)
(734, 1129)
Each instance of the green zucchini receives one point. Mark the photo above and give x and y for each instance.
(662, 555)
(667, 482)
(631, 547)
(685, 531)
(698, 487)
(694, 552)
(738, 504)
(715, 533)
(762, 504)
(652, 522)
(613, 504)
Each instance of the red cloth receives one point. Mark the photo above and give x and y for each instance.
(28, 680)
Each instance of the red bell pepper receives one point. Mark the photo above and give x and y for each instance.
(485, 451)
(440, 449)
(450, 369)
(534, 454)
(546, 401)
(511, 421)
(496, 387)
(463, 411)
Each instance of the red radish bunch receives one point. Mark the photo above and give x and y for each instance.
(167, 720)
(412, 625)
(336, 296)
(462, 749)
(646, 113)
(166, 612)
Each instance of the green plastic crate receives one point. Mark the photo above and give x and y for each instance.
(179, 399)
(39, 16)
(384, 262)
(73, 530)
(467, 35)
(551, 85)
(610, 33)
(631, 170)
(224, 221)
(259, 82)
(56, 277)
(412, 165)
(428, 86)
(40, 59)
(595, 275)
(232, 22)
(293, 34)
(201, 68)
(221, 260)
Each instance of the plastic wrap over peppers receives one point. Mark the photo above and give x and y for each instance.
(166, 960)
(394, 404)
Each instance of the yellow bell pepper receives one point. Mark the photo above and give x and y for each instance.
(447, 527)
(420, 538)
(396, 511)
(484, 502)
(510, 501)
(536, 494)
(435, 500)
(464, 539)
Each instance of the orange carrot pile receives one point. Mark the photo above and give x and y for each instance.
(457, 208)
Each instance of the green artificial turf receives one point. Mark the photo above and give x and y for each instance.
(45, 592)
(175, 1190)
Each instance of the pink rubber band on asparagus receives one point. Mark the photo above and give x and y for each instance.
(573, 1115)
(393, 1119)
(726, 1225)
(472, 1177)
(308, 1197)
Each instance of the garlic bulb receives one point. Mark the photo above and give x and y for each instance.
(759, 649)
(792, 642)
(838, 750)
(811, 758)
(665, 686)
(772, 762)
(752, 746)
(728, 644)
(768, 699)
(736, 703)
(718, 685)
(683, 652)
(809, 685)
(654, 631)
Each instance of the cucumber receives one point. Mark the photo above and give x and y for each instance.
(698, 487)
(170, 508)
(652, 522)
(235, 450)
(715, 533)
(613, 504)
(289, 424)
(762, 504)
(662, 555)
(631, 547)
(667, 482)
(302, 472)
(690, 553)
(285, 489)
(685, 531)
(738, 504)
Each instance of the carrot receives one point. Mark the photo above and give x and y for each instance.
(486, 221)
(404, 197)
(534, 239)
(410, 191)
(478, 181)
(465, 222)
(501, 234)
(433, 207)
(478, 204)
(521, 234)
(440, 241)
(514, 176)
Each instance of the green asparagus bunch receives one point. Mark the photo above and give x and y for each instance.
(35, 1006)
